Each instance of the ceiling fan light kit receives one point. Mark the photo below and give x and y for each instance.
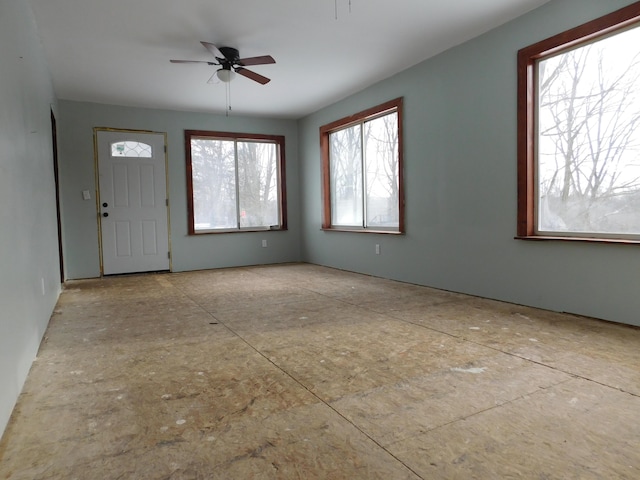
(225, 75)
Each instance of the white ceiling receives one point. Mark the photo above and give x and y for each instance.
(118, 51)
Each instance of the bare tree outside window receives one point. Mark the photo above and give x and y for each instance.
(214, 183)
(364, 167)
(258, 186)
(346, 176)
(588, 149)
(235, 183)
(362, 174)
(382, 173)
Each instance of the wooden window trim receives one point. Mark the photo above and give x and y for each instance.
(278, 139)
(325, 130)
(527, 58)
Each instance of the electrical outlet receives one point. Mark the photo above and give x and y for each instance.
(377, 249)
(264, 244)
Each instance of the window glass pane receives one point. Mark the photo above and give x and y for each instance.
(214, 184)
(588, 171)
(131, 149)
(381, 160)
(258, 184)
(346, 177)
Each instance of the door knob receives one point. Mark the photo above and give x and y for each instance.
(105, 214)
(105, 204)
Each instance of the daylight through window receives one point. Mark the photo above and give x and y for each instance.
(363, 171)
(579, 162)
(236, 182)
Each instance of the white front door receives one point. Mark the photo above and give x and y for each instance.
(133, 202)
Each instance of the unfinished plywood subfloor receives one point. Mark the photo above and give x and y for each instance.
(301, 371)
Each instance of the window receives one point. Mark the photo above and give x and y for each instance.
(362, 171)
(131, 149)
(235, 182)
(579, 132)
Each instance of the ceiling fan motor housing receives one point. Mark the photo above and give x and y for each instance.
(231, 54)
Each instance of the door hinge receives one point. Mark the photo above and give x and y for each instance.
(165, 149)
(169, 255)
(166, 202)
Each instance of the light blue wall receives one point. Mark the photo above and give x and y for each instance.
(460, 170)
(28, 229)
(77, 169)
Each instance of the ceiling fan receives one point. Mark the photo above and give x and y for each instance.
(229, 60)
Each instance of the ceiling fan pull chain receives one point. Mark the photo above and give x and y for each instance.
(228, 91)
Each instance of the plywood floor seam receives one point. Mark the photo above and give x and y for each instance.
(305, 372)
(305, 387)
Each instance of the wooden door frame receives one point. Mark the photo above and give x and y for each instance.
(56, 179)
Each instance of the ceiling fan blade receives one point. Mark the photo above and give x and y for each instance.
(192, 61)
(213, 49)
(263, 60)
(252, 75)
